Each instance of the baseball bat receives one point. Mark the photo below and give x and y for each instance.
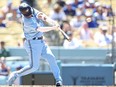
(67, 37)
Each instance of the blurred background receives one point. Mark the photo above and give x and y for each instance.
(90, 24)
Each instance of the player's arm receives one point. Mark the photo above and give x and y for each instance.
(54, 24)
(46, 29)
(47, 19)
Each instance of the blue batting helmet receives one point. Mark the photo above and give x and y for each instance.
(25, 9)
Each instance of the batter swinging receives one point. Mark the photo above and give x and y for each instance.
(33, 27)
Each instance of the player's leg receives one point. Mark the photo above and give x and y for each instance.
(34, 50)
(48, 55)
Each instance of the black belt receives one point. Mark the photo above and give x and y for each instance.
(38, 38)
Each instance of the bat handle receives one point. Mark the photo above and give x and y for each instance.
(67, 37)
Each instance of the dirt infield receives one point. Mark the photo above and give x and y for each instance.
(52, 86)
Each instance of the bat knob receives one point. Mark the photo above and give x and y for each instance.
(68, 39)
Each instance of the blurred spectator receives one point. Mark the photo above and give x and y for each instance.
(66, 27)
(69, 10)
(46, 6)
(49, 3)
(57, 13)
(76, 3)
(92, 22)
(4, 70)
(89, 4)
(61, 3)
(15, 15)
(7, 8)
(98, 12)
(86, 35)
(77, 21)
(77, 11)
(3, 51)
(74, 42)
(109, 11)
(102, 38)
(2, 22)
(9, 12)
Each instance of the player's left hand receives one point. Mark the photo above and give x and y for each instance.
(56, 27)
(56, 23)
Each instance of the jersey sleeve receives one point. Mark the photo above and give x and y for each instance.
(43, 17)
(36, 12)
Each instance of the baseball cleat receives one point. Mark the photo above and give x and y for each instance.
(12, 78)
(58, 83)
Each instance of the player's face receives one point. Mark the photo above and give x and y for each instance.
(26, 13)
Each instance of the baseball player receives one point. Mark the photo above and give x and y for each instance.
(33, 27)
